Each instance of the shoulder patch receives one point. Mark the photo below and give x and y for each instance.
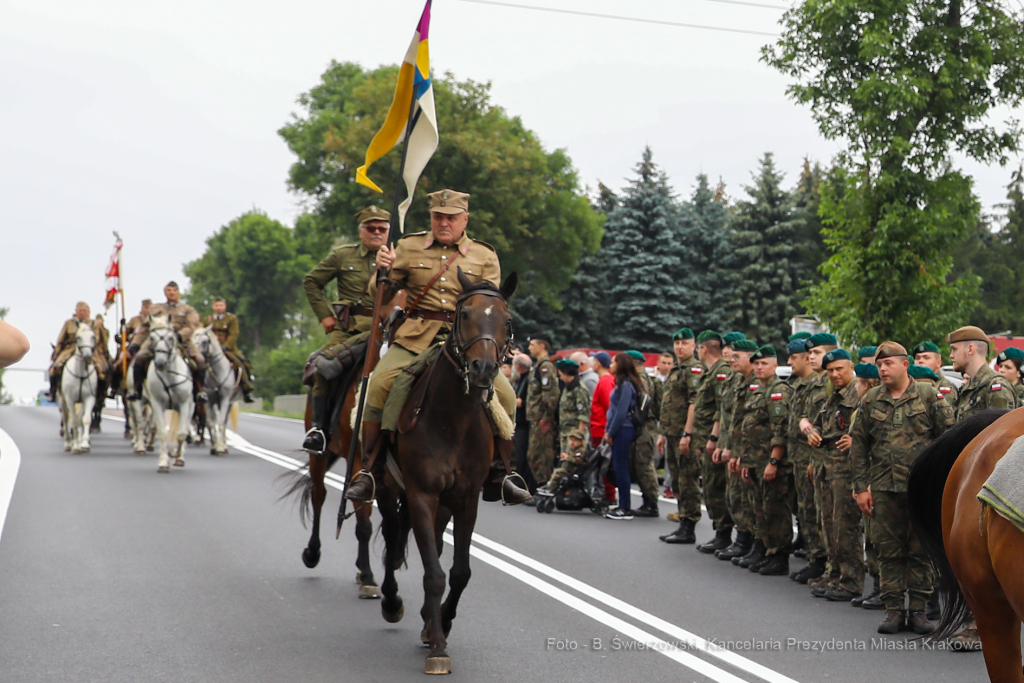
(997, 386)
(696, 370)
(777, 396)
(483, 243)
(754, 387)
(721, 376)
(945, 390)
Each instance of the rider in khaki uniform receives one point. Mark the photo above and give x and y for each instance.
(426, 265)
(101, 354)
(353, 267)
(130, 328)
(184, 320)
(225, 326)
(65, 346)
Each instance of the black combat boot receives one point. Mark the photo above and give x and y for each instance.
(813, 570)
(648, 509)
(739, 547)
(200, 378)
(684, 534)
(498, 486)
(859, 601)
(364, 484)
(756, 554)
(755, 566)
(800, 545)
(721, 541)
(54, 386)
(316, 437)
(778, 565)
(138, 377)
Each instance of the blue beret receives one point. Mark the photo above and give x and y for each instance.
(834, 355)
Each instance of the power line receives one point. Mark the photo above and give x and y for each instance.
(636, 19)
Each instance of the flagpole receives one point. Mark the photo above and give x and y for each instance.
(373, 347)
(124, 310)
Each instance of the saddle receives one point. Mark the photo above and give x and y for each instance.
(1003, 491)
(335, 360)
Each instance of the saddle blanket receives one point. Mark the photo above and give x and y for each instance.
(1004, 489)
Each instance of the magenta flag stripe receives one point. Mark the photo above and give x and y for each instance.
(424, 26)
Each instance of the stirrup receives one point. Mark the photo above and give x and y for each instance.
(506, 478)
(323, 437)
(373, 486)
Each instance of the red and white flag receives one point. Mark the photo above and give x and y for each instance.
(113, 275)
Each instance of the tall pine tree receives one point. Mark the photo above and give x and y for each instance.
(705, 276)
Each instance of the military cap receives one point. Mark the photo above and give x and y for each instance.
(926, 347)
(540, 336)
(821, 339)
(766, 351)
(172, 283)
(921, 372)
(969, 333)
(866, 370)
(218, 298)
(889, 349)
(1010, 353)
(636, 355)
(602, 357)
(448, 201)
(372, 213)
(683, 333)
(866, 352)
(567, 365)
(799, 335)
(796, 346)
(576, 434)
(730, 338)
(744, 345)
(834, 355)
(147, 302)
(709, 335)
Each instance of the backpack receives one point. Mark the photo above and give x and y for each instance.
(640, 410)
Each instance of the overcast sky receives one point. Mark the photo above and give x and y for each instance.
(159, 120)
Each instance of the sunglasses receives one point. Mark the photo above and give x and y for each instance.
(376, 229)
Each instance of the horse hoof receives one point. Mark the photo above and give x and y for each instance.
(67, 448)
(369, 592)
(438, 665)
(179, 462)
(163, 469)
(310, 559)
(393, 618)
(149, 449)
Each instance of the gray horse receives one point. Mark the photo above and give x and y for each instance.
(222, 387)
(168, 386)
(77, 393)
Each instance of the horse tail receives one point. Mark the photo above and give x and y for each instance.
(925, 487)
(299, 485)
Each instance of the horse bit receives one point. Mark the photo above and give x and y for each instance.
(457, 353)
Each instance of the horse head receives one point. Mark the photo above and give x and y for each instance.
(203, 340)
(85, 340)
(481, 316)
(164, 343)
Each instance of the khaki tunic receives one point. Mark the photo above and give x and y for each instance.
(183, 318)
(226, 328)
(353, 267)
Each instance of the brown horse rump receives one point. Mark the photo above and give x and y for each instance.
(1003, 491)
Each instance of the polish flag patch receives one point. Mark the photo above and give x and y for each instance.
(696, 371)
(754, 387)
(721, 376)
(945, 390)
(776, 397)
(997, 387)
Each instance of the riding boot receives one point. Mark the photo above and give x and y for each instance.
(138, 377)
(54, 386)
(316, 438)
(199, 379)
(498, 486)
(114, 385)
(363, 489)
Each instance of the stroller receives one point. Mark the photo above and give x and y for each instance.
(583, 488)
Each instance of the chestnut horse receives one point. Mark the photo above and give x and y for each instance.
(978, 554)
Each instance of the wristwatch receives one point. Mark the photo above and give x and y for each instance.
(685, 434)
(774, 462)
(713, 438)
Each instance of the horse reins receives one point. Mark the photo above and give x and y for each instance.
(457, 353)
(170, 353)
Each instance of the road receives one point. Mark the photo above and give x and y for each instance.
(112, 572)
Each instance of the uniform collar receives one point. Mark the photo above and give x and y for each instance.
(363, 251)
(985, 375)
(911, 393)
(462, 244)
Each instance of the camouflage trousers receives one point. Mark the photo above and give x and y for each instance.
(739, 504)
(685, 477)
(542, 451)
(903, 565)
(846, 542)
(823, 504)
(870, 551)
(805, 509)
(773, 517)
(642, 458)
(716, 499)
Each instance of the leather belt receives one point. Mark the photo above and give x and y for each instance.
(361, 310)
(442, 316)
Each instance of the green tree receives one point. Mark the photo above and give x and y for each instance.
(812, 251)
(253, 263)
(903, 85)
(526, 202)
(706, 277)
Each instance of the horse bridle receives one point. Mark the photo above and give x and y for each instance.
(455, 347)
(170, 356)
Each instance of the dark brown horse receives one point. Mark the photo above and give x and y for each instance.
(444, 455)
(978, 554)
(308, 485)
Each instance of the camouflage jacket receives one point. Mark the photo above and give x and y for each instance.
(739, 391)
(889, 433)
(949, 391)
(573, 408)
(678, 393)
(765, 417)
(798, 450)
(705, 411)
(985, 390)
(835, 420)
(818, 391)
(735, 385)
(649, 385)
(542, 393)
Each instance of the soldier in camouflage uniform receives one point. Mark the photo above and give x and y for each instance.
(927, 354)
(351, 314)
(799, 452)
(736, 489)
(225, 326)
(573, 404)
(572, 457)
(706, 431)
(1008, 364)
(764, 466)
(542, 396)
(867, 379)
(643, 453)
(895, 422)
(682, 452)
(832, 436)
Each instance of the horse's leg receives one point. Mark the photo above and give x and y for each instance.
(163, 463)
(212, 421)
(444, 515)
(183, 430)
(422, 515)
(318, 493)
(88, 401)
(368, 589)
(458, 578)
(999, 607)
(394, 554)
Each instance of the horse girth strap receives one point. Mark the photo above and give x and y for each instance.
(437, 276)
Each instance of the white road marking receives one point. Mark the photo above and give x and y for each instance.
(10, 463)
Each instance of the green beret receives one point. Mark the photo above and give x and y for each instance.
(567, 365)
(765, 351)
(730, 338)
(866, 352)
(709, 335)
(921, 372)
(1010, 352)
(821, 339)
(834, 355)
(744, 345)
(800, 335)
(866, 370)
(684, 333)
(636, 355)
(926, 347)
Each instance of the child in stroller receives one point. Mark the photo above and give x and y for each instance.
(574, 485)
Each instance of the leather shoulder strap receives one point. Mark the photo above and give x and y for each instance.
(433, 280)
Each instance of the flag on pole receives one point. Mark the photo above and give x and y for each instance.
(413, 82)
(113, 275)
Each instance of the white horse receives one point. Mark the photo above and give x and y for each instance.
(141, 426)
(223, 388)
(168, 386)
(78, 383)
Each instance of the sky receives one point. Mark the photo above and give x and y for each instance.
(159, 120)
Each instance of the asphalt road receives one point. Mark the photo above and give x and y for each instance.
(112, 572)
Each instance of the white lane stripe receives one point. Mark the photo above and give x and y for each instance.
(629, 630)
(10, 463)
(270, 417)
